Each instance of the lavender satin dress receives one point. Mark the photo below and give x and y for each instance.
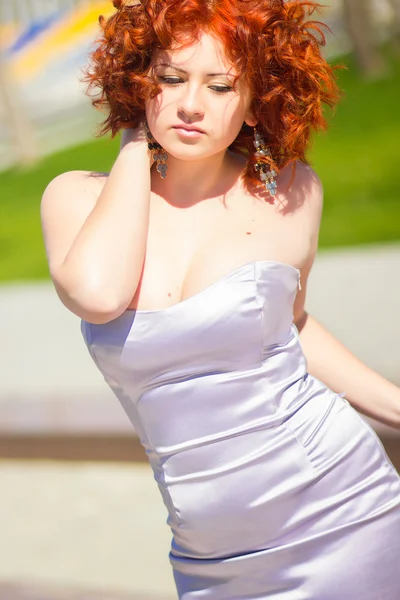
(275, 486)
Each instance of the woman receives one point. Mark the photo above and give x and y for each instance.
(188, 265)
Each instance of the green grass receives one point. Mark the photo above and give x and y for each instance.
(22, 254)
(356, 160)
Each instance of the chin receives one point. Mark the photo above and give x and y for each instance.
(191, 150)
(191, 156)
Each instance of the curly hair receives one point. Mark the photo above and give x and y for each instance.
(274, 44)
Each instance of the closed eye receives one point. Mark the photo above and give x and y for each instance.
(177, 80)
(170, 80)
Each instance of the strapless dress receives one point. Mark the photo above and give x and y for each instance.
(275, 486)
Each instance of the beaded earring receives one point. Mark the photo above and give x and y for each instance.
(267, 175)
(158, 153)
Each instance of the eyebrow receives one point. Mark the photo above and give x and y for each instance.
(177, 68)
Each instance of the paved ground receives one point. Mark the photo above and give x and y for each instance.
(15, 591)
(83, 528)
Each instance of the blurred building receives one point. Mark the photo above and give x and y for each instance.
(44, 45)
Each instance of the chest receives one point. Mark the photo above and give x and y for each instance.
(190, 249)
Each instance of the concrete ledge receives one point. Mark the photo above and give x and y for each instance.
(73, 447)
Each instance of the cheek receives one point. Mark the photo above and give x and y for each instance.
(230, 119)
(153, 109)
(161, 111)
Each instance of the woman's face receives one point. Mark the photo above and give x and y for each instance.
(197, 92)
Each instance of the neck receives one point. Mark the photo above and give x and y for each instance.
(189, 182)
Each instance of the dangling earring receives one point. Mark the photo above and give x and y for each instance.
(266, 175)
(158, 153)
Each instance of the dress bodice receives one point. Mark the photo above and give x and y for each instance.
(228, 325)
(220, 335)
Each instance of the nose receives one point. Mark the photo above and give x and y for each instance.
(190, 103)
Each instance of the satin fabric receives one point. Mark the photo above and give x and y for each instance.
(275, 486)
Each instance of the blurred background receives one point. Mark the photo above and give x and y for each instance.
(80, 514)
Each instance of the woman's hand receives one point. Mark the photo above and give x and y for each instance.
(134, 138)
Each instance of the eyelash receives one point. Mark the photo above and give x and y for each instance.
(177, 81)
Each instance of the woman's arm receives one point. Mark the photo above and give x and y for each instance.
(333, 364)
(327, 358)
(95, 235)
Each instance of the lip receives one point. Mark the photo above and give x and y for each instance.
(188, 129)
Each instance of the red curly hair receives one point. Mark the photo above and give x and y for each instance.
(270, 42)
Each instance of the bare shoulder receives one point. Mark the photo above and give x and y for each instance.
(71, 194)
(66, 203)
(300, 194)
(308, 178)
(85, 183)
(308, 187)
